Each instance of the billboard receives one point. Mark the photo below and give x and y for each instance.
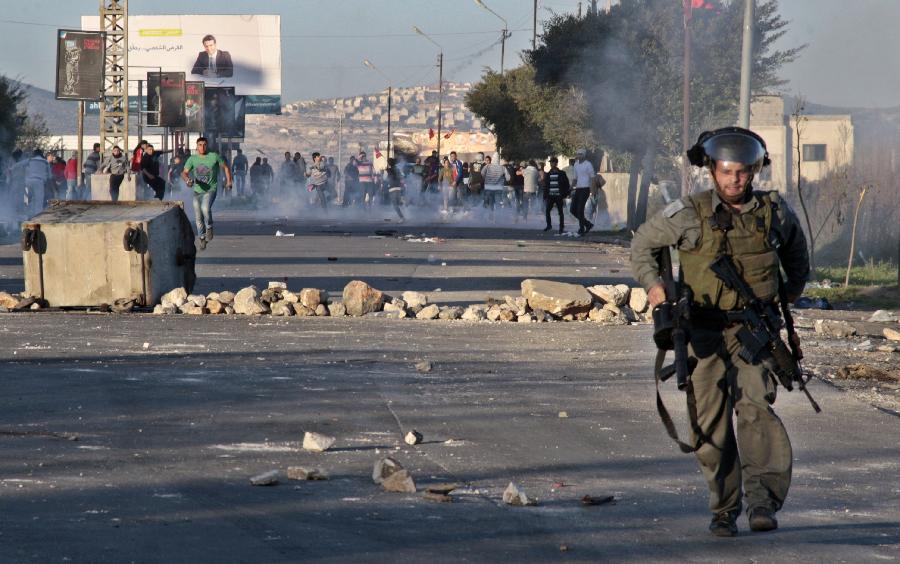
(166, 94)
(193, 106)
(80, 64)
(241, 52)
(224, 113)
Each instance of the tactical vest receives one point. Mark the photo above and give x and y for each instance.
(749, 244)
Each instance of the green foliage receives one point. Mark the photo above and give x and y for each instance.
(872, 273)
(17, 128)
(530, 120)
(628, 63)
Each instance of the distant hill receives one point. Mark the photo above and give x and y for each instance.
(61, 115)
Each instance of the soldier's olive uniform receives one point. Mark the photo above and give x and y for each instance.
(755, 448)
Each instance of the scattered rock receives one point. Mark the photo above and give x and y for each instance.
(337, 309)
(507, 315)
(301, 310)
(400, 482)
(518, 304)
(282, 309)
(316, 442)
(437, 497)
(313, 297)
(563, 414)
(414, 300)
(290, 297)
(123, 305)
(513, 495)
(227, 298)
(274, 285)
(301, 473)
(493, 314)
(602, 315)
(7, 300)
(387, 314)
(591, 500)
(441, 488)
(840, 329)
(866, 372)
(189, 309)
(616, 310)
(248, 302)
(424, 367)
(525, 318)
(321, 310)
(198, 300)
(270, 295)
(413, 437)
(429, 312)
(175, 297)
(629, 314)
(638, 300)
(617, 295)
(473, 313)
(450, 313)
(891, 334)
(865, 346)
(887, 348)
(557, 298)
(396, 306)
(229, 310)
(212, 296)
(360, 298)
(269, 478)
(215, 307)
(385, 467)
(168, 309)
(882, 315)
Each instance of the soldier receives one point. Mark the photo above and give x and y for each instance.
(760, 233)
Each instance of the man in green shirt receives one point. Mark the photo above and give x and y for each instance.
(205, 166)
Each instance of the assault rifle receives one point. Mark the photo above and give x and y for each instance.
(760, 332)
(671, 321)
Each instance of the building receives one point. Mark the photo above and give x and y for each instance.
(826, 142)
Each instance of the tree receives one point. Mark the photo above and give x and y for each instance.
(17, 127)
(628, 63)
(530, 120)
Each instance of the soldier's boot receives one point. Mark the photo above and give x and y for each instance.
(762, 519)
(724, 524)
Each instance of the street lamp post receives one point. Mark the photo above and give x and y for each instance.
(440, 86)
(369, 64)
(506, 32)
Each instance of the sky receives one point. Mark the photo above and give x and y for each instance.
(851, 59)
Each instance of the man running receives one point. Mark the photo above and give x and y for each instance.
(205, 166)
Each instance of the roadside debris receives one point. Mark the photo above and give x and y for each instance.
(392, 476)
(514, 495)
(891, 334)
(281, 233)
(269, 478)
(840, 329)
(590, 500)
(882, 316)
(301, 473)
(413, 438)
(317, 442)
(866, 372)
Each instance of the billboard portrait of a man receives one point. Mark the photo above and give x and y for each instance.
(211, 62)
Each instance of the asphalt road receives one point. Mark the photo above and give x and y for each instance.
(170, 432)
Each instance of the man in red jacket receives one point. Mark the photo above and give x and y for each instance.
(72, 177)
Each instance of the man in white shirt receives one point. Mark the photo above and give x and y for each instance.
(584, 171)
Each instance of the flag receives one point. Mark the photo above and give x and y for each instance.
(430, 134)
(691, 5)
(447, 135)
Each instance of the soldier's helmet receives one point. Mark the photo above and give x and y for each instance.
(729, 144)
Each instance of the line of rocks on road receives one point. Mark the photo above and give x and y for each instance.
(540, 301)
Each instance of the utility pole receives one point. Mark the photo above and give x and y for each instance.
(534, 28)
(440, 84)
(505, 32)
(390, 88)
(746, 61)
(80, 143)
(114, 105)
(686, 102)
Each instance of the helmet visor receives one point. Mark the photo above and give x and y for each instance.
(735, 148)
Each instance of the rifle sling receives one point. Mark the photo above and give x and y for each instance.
(691, 408)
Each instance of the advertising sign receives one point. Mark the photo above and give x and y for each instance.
(193, 106)
(224, 113)
(166, 95)
(80, 64)
(241, 52)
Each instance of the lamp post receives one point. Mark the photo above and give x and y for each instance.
(440, 86)
(506, 32)
(369, 64)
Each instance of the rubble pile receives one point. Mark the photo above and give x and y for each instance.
(540, 301)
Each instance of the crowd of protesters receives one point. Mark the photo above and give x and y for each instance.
(485, 188)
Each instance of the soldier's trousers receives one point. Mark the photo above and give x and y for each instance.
(749, 445)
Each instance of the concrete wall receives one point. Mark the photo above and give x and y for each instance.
(129, 190)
